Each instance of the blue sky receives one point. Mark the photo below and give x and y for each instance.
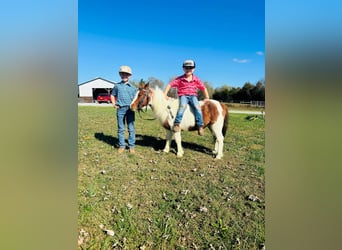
(226, 38)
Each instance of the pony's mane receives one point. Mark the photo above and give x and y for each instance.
(160, 104)
(159, 94)
(158, 91)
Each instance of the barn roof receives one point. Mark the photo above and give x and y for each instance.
(96, 79)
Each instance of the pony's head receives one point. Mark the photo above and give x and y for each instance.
(142, 98)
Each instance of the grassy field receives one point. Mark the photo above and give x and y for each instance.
(154, 200)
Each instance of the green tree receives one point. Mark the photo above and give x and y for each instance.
(259, 91)
(222, 94)
(247, 91)
(234, 94)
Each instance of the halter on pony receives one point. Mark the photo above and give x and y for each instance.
(144, 101)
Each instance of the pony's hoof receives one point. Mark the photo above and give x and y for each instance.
(179, 155)
(166, 150)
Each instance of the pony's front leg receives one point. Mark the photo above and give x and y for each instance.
(178, 140)
(168, 141)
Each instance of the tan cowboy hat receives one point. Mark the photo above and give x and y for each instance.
(125, 69)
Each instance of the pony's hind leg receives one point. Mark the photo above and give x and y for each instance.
(219, 147)
(215, 141)
(216, 146)
(168, 141)
(218, 136)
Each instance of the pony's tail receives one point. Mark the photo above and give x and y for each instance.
(225, 121)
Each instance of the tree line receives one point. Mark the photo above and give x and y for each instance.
(249, 91)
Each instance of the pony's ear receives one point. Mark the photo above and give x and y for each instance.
(147, 85)
(141, 85)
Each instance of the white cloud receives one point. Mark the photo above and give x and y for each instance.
(260, 53)
(241, 60)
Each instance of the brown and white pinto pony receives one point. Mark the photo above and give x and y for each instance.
(215, 117)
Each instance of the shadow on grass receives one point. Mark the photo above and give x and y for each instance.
(110, 140)
(156, 143)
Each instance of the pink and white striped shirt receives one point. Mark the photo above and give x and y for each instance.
(185, 87)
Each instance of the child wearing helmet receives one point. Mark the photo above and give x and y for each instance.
(187, 85)
(122, 95)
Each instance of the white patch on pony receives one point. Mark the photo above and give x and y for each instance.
(134, 99)
(159, 103)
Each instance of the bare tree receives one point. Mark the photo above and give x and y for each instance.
(155, 82)
(173, 92)
(209, 88)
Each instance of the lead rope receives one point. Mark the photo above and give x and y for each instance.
(169, 108)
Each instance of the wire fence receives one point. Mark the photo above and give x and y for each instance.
(256, 104)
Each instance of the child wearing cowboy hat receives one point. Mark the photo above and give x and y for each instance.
(187, 85)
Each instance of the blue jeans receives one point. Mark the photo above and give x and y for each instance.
(126, 115)
(192, 100)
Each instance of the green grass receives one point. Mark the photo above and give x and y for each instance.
(154, 200)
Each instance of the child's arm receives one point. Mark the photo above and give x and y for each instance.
(113, 99)
(167, 91)
(206, 95)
